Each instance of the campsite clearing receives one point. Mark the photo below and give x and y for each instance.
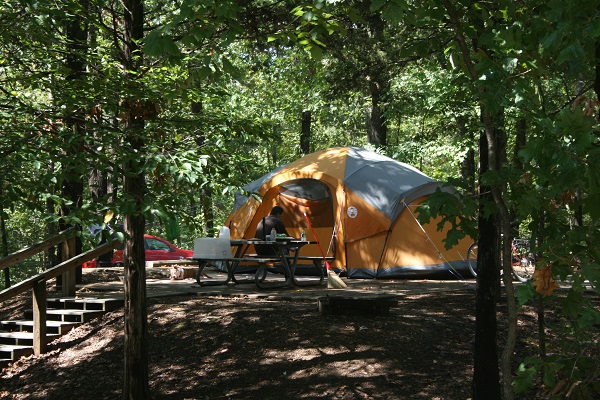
(248, 348)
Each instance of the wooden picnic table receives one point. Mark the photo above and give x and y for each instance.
(286, 249)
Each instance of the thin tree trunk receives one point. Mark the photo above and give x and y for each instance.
(72, 190)
(206, 196)
(467, 169)
(597, 80)
(53, 253)
(4, 244)
(520, 142)
(98, 184)
(207, 211)
(494, 155)
(135, 380)
(486, 383)
(276, 128)
(541, 326)
(540, 301)
(511, 306)
(305, 133)
(486, 376)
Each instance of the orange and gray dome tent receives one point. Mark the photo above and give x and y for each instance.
(361, 206)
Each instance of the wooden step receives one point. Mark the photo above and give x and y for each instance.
(68, 315)
(62, 315)
(22, 325)
(83, 303)
(22, 338)
(12, 352)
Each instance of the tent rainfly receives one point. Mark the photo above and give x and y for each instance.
(361, 206)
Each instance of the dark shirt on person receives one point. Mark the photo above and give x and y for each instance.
(270, 222)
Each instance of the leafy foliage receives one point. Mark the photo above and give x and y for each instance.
(224, 84)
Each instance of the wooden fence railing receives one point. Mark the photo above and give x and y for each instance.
(37, 283)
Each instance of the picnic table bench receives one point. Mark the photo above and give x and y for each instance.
(282, 259)
(233, 263)
(316, 260)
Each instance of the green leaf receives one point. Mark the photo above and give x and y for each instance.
(153, 45)
(573, 51)
(315, 51)
(377, 4)
(297, 11)
(572, 303)
(120, 236)
(526, 376)
(308, 16)
(172, 228)
(525, 293)
(170, 47)
(594, 28)
(395, 14)
(592, 273)
(552, 39)
(550, 372)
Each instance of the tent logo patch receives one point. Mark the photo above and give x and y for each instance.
(352, 212)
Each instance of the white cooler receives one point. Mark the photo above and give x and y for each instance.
(212, 248)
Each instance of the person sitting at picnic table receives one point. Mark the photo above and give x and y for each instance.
(264, 228)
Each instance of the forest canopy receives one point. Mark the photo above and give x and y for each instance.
(153, 114)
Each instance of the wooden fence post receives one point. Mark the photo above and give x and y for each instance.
(39, 317)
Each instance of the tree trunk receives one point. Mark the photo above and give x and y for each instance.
(72, 190)
(52, 256)
(135, 380)
(375, 119)
(136, 320)
(206, 196)
(540, 300)
(499, 195)
(597, 80)
(379, 83)
(486, 376)
(520, 142)
(486, 380)
(276, 130)
(492, 154)
(467, 169)
(72, 186)
(4, 244)
(206, 199)
(98, 184)
(305, 133)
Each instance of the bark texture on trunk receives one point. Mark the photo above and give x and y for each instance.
(135, 380)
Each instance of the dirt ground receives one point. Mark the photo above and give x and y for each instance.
(240, 348)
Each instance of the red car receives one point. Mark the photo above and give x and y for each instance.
(157, 249)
